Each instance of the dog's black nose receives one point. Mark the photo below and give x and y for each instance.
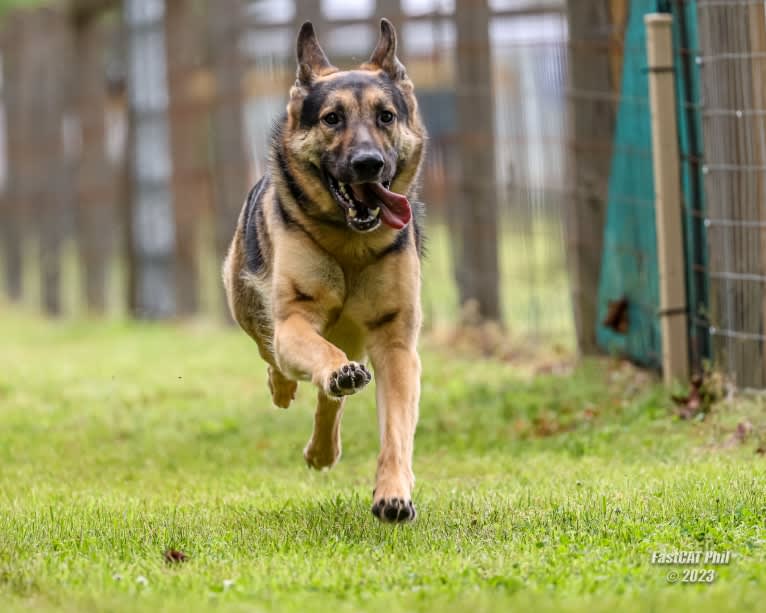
(367, 165)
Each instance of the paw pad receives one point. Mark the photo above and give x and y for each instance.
(349, 379)
(394, 510)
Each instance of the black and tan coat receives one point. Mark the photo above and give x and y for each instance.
(324, 269)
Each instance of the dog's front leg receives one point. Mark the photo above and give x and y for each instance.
(397, 372)
(302, 353)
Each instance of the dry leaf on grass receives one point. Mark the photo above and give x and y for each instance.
(174, 556)
(740, 435)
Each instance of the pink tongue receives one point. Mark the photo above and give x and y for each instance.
(395, 209)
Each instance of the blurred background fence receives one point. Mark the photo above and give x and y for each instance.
(732, 60)
(131, 130)
(123, 187)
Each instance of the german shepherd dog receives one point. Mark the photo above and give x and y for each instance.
(324, 268)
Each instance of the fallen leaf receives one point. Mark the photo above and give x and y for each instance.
(690, 405)
(744, 428)
(174, 556)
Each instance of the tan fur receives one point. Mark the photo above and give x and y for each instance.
(325, 298)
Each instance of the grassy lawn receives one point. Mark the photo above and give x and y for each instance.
(119, 441)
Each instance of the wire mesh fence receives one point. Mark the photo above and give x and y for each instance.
(732, 61)
(613, 242)
(615, 192)
(184, 117)
(538, 180)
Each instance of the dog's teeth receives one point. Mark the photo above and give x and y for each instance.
(352, 212)
(374, 212)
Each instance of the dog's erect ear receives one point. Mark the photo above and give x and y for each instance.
(311, 59)
(384, 56)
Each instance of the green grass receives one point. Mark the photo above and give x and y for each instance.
(118, 441)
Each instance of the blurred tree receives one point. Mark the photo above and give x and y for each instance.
(475, 213)
(151, 231)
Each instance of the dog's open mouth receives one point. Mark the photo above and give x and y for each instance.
(367, 204)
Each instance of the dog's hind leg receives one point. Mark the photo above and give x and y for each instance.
(282, 389)
(324, 448)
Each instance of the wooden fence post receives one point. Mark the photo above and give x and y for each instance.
(55, 36)
(667, 185)
(96, 215)
(476, 218)
(40, 171)
(230, 166)
(152, 228)
(594, 66)
(11, 230)
(189, 136)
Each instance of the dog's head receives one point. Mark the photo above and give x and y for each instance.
(354, 137)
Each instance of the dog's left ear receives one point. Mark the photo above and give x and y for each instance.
(384, 56)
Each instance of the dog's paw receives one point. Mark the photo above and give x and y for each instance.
(283, 396)
(282, 389)
(394, 510)
(348, 379)
(320, 458)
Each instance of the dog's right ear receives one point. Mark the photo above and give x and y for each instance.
(312, 61)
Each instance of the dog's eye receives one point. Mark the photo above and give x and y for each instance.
(331, 119)
(386, 117)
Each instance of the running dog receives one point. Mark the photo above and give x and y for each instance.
(323, 271)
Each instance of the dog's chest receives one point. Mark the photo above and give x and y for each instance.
(364, 301)
(347, 334)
